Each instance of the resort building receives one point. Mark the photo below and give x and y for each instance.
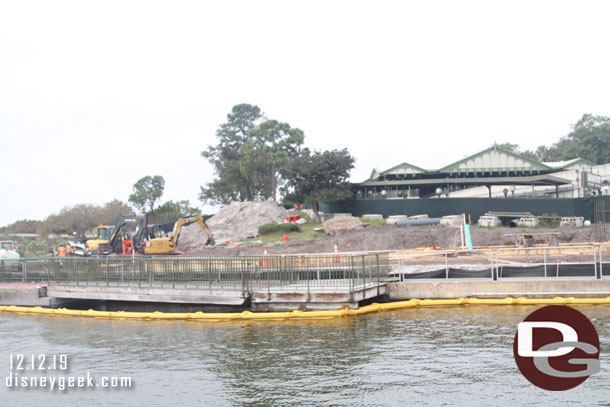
(494, 172)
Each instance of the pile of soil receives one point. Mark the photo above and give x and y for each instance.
(410, 237)
(192, 237)
(234, 222)
(342, 223)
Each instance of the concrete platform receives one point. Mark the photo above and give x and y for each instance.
(287, 298)
(25, 295)
(148, 294)
(498, 289)
(273, 298)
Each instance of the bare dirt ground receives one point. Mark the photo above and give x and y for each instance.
(401, 238)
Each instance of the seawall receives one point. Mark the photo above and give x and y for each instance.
(498, 289)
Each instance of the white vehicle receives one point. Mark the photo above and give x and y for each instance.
(9, 258)
(78, 249)
(7, 245)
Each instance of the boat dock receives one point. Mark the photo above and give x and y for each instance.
(263, 283)
(311, 282)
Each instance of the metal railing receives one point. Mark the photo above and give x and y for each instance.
(561, 262)
(436, 264)
(20, 270)
(604, 268)
(548, 262)
(242, 273)
(351, 271)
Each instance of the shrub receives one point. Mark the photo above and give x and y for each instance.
(278, 227)
(376, 222)
(546, 220)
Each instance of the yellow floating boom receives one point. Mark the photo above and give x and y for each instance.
(247, 315)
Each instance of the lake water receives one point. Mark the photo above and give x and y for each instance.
(426, 356)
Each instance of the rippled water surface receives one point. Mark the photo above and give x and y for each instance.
(440, 356)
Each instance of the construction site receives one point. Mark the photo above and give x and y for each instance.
(344, 262)
(407, 233)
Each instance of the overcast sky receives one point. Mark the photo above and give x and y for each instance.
(95, 95)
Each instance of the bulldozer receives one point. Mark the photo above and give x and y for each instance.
(168, 245)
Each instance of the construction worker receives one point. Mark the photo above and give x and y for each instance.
(127, 244)
(68, 249)
(61, 251)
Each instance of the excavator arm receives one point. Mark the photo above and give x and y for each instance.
(168, 245)
(185, 222)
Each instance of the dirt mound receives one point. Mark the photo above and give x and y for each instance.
(234, 222)
(342, 223)
(192, 237)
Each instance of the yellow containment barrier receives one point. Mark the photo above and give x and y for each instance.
(247, 315)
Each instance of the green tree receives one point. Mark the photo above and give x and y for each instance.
(321, 176)
(250, 157)
(171, 211)
(544, 153)
(589, 139)
(107, 214)
(509, 146)
(235, 178)
(22, 226)
(273, 144)
(78, 219)
(73, 220)
(146, 192)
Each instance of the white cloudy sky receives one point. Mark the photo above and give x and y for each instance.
(95, 95)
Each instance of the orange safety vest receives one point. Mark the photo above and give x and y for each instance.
(68, 248)
(61, 252)
(127, 246)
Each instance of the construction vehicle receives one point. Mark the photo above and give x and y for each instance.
(161, 229)
(79, 249)
(9, 258)
(102, 233)
(168, 245)
(8, 245)
(120, 243)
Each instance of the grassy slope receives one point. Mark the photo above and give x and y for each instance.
(307, 232)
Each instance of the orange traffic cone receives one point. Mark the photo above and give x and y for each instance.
(265, 253)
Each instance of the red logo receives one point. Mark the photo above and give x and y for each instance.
(556, 348)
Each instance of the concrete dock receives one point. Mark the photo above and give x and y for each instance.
(25, 294)
(272, 298)
(285, 283)
(447, 289)
(288, 298)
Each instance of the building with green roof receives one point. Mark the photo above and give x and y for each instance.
(493, 167)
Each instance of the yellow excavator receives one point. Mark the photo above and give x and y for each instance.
(168, 245)
(102, 236)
